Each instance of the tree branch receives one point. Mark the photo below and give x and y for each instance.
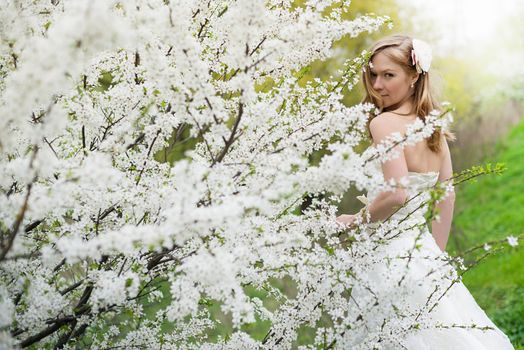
(229, 142)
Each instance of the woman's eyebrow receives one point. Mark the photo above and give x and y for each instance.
(384, 70)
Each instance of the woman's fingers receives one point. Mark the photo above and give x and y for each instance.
(346, 220)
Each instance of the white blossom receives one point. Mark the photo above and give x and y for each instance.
(512, 241)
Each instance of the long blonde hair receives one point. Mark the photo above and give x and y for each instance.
(398, 49)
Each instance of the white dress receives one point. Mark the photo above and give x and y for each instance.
(455, 309)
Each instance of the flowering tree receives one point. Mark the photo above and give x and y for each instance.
(155, 153)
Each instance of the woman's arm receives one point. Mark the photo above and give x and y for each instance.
(386, 203)
(440, 228)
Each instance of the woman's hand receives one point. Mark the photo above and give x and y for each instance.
(347, 220)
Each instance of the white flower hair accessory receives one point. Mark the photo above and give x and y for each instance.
(421, 55)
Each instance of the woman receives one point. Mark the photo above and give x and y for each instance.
(397, 81)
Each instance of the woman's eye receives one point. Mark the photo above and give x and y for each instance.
(389, 75)
(373, 75)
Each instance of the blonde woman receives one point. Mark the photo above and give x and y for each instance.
(398, 82)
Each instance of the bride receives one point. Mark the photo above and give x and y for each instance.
(398, 83)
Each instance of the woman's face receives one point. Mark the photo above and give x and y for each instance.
(389, 79)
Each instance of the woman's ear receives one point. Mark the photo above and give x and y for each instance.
(414, 78)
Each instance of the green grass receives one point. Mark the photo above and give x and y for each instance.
(489, 209)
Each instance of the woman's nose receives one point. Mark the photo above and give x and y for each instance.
(377, 84)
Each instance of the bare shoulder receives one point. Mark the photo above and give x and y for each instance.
(384, 124)
(444, 147)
